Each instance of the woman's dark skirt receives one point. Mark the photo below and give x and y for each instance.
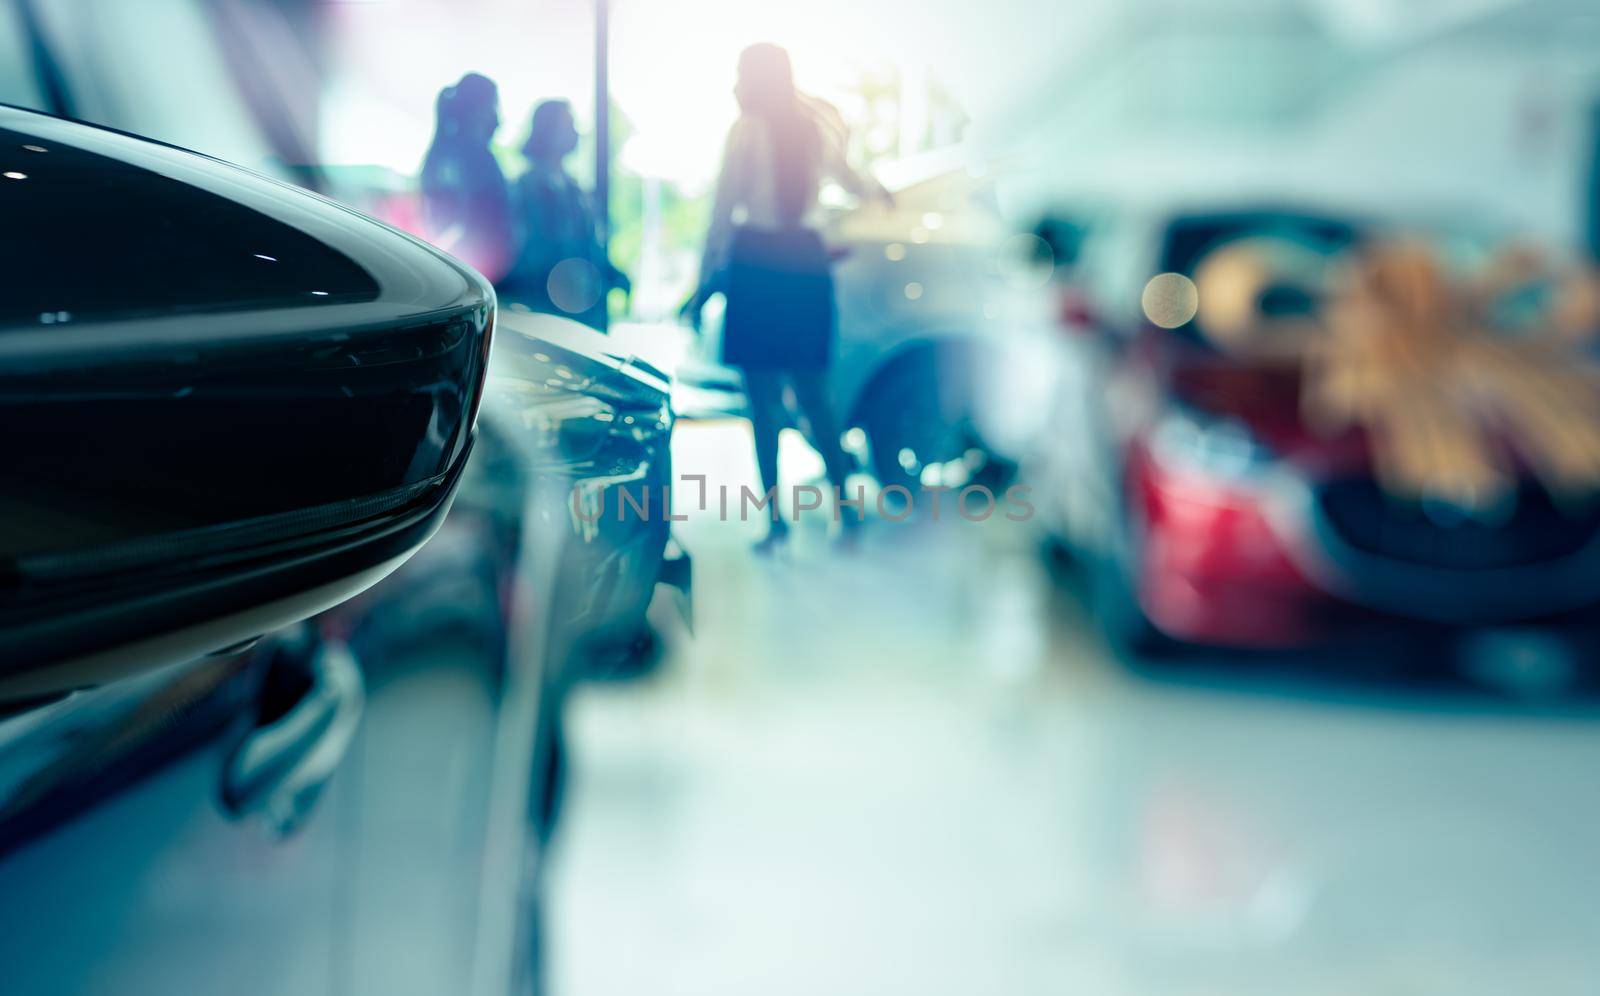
(780, 301)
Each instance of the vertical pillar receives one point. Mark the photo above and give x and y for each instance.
(604, 133)
(602, 121)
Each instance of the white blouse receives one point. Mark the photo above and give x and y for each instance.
(747, 186)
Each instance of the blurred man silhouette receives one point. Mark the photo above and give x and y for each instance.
(764, 255)
(562, 268)
(466, 206)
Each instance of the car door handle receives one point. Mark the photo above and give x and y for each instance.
(279, 770)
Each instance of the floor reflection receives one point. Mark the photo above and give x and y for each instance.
(915, 770)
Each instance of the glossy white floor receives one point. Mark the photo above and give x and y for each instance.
(915, 771)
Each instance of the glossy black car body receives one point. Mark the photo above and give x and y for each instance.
(202, 370)
(411, 864)
(358, 802)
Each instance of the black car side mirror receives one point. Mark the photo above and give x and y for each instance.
(227, 404)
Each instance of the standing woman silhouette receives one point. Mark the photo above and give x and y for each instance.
(466, 205)
(764, 255)
(562, 267)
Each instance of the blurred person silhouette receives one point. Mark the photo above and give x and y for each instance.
(764, 254)
(466, 206)
(562, 267)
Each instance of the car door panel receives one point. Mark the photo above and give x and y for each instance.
(127, 875)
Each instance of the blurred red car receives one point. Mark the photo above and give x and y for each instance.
(1209, 514)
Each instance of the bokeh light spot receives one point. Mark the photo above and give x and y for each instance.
(1170, 300)
(574, 285)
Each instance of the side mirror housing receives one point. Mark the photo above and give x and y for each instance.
(229, 404)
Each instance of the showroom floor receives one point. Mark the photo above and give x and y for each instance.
(915, 770)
